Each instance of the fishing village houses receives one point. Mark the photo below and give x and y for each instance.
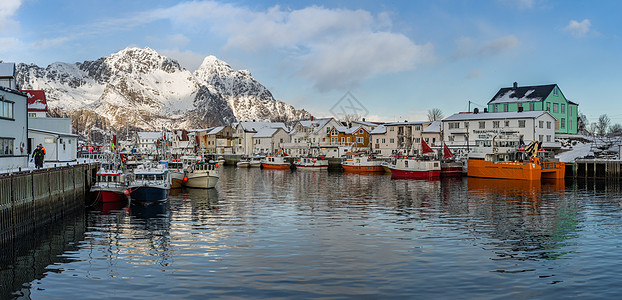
(531, 112)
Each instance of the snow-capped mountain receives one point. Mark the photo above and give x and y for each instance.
(143, 89)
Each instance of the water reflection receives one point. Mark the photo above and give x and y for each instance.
(24, 262)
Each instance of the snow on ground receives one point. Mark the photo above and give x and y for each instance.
(577, 151)
(50, 165)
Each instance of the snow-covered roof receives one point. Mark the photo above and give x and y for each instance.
(406, 123)
(256, 126)
(534, 93)
(380, 129)
(434, 127)
(365, 123)
(350, 130)
(318, 124)
(7, 69)
(216, 130)
(496, 116)
(266, 132)
(53, 132)
(36, 100)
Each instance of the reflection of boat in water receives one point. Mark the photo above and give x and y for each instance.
(107, 208)
(500, 157)
(514, 187)
(361, 162)
(148, 210)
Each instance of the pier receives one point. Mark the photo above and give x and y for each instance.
(595, 169)
(35, 198)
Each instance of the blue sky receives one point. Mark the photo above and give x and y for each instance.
(397, 58)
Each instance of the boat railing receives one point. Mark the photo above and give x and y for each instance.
(550, 165)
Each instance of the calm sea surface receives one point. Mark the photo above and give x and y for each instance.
(305, 234)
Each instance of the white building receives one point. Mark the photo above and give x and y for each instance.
(399, 138)
(13, 128)
(55, 134)
(307, 136)
(150, 142)
(243, 135)
(7, 75)
(464, 130)
(269, 140)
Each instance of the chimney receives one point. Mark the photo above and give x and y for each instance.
(363, 119)
(476, 110)
(485, 109)
(515, 85)
(311, 118)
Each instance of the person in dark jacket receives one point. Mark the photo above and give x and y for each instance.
(38, 157)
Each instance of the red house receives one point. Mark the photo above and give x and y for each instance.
(37, 105)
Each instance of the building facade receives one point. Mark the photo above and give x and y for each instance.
(547, 98)
(269, 141)
(14, 148)
(463, 131)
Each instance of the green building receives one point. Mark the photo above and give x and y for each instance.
(538, 97)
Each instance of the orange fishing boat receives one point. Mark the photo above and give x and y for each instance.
(275, 163)
(503, 159)
(361, 162)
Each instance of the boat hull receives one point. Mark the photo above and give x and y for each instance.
(109, 196)
(515, 170)
(451, 169)
(312, 168)
(202, 182)
(276, 166)
(149, 194)
(426, 174)
(243, 164)
(359, 169)
(177, 180)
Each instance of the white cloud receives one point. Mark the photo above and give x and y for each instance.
(187, 59)
(468, 47)
(578, 29)
(334, 48)
(8, 8)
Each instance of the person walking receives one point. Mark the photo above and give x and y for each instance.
(37, 155)
(42, 155)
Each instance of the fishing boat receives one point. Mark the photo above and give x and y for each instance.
(150, 183)
(203, 174)
(311, 163)
(275, 162)
(414, 167)
(361, 162)
(176, 168)
(451, 166)
(109, 185)
(255, 161)
(244, 162)
(505, 157)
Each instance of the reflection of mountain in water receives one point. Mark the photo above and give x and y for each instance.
(27, 259)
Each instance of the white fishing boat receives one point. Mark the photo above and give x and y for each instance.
(109, 185)
(311, 163)
(202, 174)
(244, 162)
(361, 163)
(255, 161)
(414, 167)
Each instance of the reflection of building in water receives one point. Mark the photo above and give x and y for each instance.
(528, 220)
(27, 259)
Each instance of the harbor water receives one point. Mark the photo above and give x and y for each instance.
(318, 234)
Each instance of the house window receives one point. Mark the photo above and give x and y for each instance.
(6, 146)
(391, 128)
(541, 123)
(548, 107)
(391, 141)
(555, 92)
(361, 131)
(482, 125)
(541, 138)
(506, 107)
(359, 140)
(563, 123)
(451, 138)
(548, 125)
(6, 108)
(494, 108)
(555, 107)
(32, 115)
(377, 141)
(348, 139)
(548, 138)
(466, 125)
(495, 124)
(506, 123)
(570, 124)
(521, 123)
(532, 106)
(417, 140)
(343, 140)
(563, 108)
(383, 141)
(417, 127)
